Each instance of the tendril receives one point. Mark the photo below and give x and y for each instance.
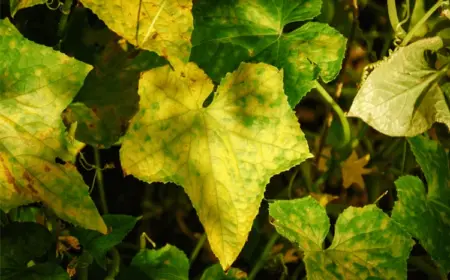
(49, 4)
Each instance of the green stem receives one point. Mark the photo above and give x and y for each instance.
(338, 111)
(298, 270)
(65, 16)
(100, 185)
(83, 273)
(264, 255)
(404, 157)
(113, 270)
(421, 22)
(393, 19)
(197, 248)
(291, 182)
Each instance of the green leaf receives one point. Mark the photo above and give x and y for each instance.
(215, 272)
(145, 24)
(367, 244)
(42, 271)
(16, 5)
(401, 97)
(228, 32)
(223, 155)
(21, 243)
(97, 244)
(108, 99)
(168, 263)
(427, 215)
(36, 84)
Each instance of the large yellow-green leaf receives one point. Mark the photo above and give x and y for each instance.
(162, 26)
(402, 97)
(223, 155)
(426, 215)
(36, 84)
(228, 32)
(16, 5)
(367, 244)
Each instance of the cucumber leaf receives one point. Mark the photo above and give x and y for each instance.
(164, 27)
(402, 97)
(228, 32)
(36, 84)
(16, 5)
(367, 244)
(223, 154)
(215, 272)
(168, 263)
(426, 215)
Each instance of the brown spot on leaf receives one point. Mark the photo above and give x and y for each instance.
(154, 36)
(47, 168)
(9, 177)
(29, 184)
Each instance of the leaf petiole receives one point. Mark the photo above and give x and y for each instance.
(343, 119)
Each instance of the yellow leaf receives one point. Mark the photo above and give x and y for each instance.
(164, 27)
(353, 169)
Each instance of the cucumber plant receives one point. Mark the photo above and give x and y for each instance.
(202, 94)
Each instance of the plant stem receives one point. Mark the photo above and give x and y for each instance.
(113, 270)
(393, 19)
(65, 16)
(338, 111)
(404, 157)
(291, 182)
(197, 248)
(83, 273)
(300, 268)
(422, 21)
(100, 186)
(261, 261)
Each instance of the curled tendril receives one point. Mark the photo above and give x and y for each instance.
(49, 4)
(61, 8)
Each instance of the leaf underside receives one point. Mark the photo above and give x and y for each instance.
(402, 97)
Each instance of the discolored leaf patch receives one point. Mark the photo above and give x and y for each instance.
(36, 84)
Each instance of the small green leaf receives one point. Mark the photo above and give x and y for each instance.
(16, 5)
(367, 244)
(223, 155)
(21, 243)
(215, 272)
(401, 97)
(427, 215)
(228, 32)
(168, 263)
(145, 24)
(97, 244)
(36, 84)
